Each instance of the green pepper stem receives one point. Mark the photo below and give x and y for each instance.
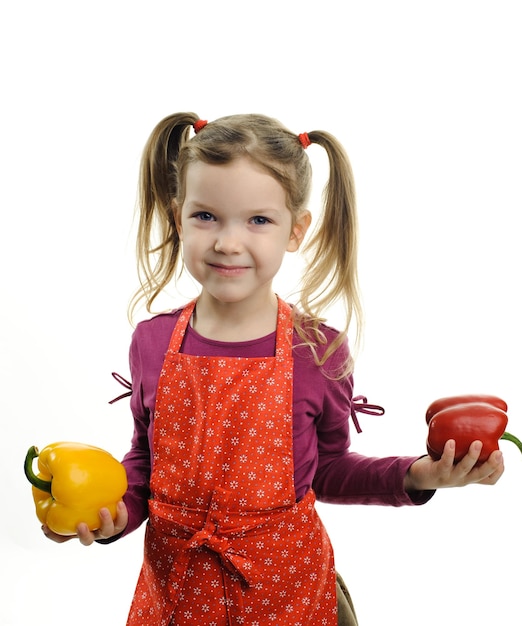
(36, 481)
(513, 439)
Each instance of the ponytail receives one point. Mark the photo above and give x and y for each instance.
(331, 252)
(158, 244)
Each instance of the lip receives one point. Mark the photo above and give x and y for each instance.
(228, 270)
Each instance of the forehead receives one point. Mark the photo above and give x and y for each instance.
(241, 182)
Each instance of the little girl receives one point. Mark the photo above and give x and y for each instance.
(241, 401)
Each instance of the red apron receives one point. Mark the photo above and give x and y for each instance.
(226, 544)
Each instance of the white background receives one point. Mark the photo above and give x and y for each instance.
(426, 98)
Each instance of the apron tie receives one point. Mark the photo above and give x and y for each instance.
(360, 405)
(239, 566)
(235, 562)
(209, 537)
(124, 383)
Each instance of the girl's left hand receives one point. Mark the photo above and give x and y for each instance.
(426, 473)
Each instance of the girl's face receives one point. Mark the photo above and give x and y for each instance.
(235, 228)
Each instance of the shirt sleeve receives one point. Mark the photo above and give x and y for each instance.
(137, 461)
(346, 477)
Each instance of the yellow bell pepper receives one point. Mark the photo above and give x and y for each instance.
(75, 481)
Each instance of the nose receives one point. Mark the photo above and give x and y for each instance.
(228, 241)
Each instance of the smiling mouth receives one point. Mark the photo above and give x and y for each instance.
(228, 270)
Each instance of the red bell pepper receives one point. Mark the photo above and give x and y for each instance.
(466, 419)
(444, 403)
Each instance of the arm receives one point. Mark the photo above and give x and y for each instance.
(137, 461)
(346, 477)
(351, 478)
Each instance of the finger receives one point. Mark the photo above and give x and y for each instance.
(107, 524)
(469, 461)
(493, 478)
(448, 457)
(85, 536)
(106, 529)
(493, 469)
(122, 517)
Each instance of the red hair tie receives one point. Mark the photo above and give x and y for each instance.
(199, 125)
(305, 140)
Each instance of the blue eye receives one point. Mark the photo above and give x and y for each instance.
(204, 216)
(259, 220)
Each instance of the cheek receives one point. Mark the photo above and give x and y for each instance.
(194, 247)
(189, 243)
(272, 255)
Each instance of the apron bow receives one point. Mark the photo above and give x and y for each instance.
(235, 562)
(240, 568)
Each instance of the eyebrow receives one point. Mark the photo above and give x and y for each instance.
(198, 205)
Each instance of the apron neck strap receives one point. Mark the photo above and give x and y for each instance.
(284, 329)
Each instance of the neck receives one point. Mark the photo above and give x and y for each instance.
(234, 321)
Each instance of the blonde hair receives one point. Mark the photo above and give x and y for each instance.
(331, 271)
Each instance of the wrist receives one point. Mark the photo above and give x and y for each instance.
(411, 479)
(408, 481)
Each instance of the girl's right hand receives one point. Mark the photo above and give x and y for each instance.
(425, 473)
(108, 528)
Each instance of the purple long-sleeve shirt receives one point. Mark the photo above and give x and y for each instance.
(322, 407)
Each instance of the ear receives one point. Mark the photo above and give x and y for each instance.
(301, 225)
